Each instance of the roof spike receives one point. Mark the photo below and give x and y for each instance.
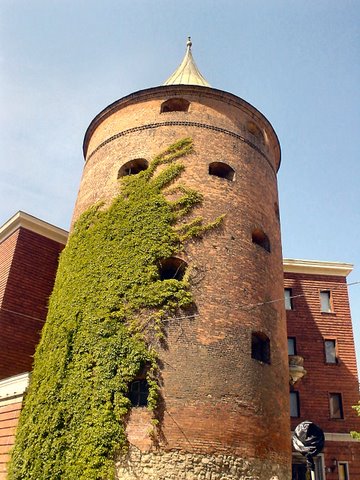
(187, 73)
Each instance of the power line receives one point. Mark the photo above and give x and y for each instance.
(181, 317)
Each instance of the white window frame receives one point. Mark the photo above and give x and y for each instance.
(329, 301)
(335, 351)
(293, 341)
(288, 299)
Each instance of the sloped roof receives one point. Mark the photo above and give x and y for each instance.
(187, 73)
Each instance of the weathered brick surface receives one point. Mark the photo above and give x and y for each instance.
(188, 466)
(215, 397)
(28, 266)
(310, 327)
(342, 452)
(9, 415)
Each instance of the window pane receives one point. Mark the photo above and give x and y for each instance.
(139, 391)
(291, 346)
(343, 473)
(288, 299)
(325, 301)
(336, 405)
(294, 404)
(330, 351)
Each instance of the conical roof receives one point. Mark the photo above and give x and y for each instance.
(187, 73)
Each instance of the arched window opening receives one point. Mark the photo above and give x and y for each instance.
(261, 239)
(139, 392)
(222, 170)
(133, 167)
(255, 130)
(175, 105)
(172, 268)
(260, 347)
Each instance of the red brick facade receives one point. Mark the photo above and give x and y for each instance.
(310, 328)
(28, 267)
(9, 417)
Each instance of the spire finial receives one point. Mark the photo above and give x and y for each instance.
(187, 73)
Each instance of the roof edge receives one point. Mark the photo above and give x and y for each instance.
(34, 224)
(230, 98)
(12, 388)
(317, 267)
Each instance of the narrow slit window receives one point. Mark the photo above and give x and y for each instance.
(172, 268)
(260, 347)
(175, 105)
(335, 404)
(138, 393)
(133, 167)
(330, 351)
(294, 405)
(222, 170)
(260, 238)
(288, 299)
(326, 301)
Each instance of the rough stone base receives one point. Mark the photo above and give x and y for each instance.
(137, 465)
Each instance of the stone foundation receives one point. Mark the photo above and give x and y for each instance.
(175, 465)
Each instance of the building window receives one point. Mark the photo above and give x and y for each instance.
(291, 346)
(288, 299)
(172, 268)
(260, 347)
(222, 170)
(326, 301)
(343, 469)
(175, 105)
(261, 239)
(294, 405)
(335, 403)
(330, 351)
(133, 167)
(138, 393)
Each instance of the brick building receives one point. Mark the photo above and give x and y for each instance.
(29, 252)
(227, 398)
(320, 339)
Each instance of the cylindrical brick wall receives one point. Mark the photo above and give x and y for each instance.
(225, 414)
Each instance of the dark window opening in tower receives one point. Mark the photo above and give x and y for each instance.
(260, 347)
(133, 167)
(138, 393)
(172, 268)
(261, 239)
(222, 170)
(175, 105)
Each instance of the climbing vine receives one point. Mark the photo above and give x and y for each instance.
(105, 317)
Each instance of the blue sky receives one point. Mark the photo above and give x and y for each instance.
(62, 61)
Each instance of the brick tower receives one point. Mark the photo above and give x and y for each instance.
(224, 371)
